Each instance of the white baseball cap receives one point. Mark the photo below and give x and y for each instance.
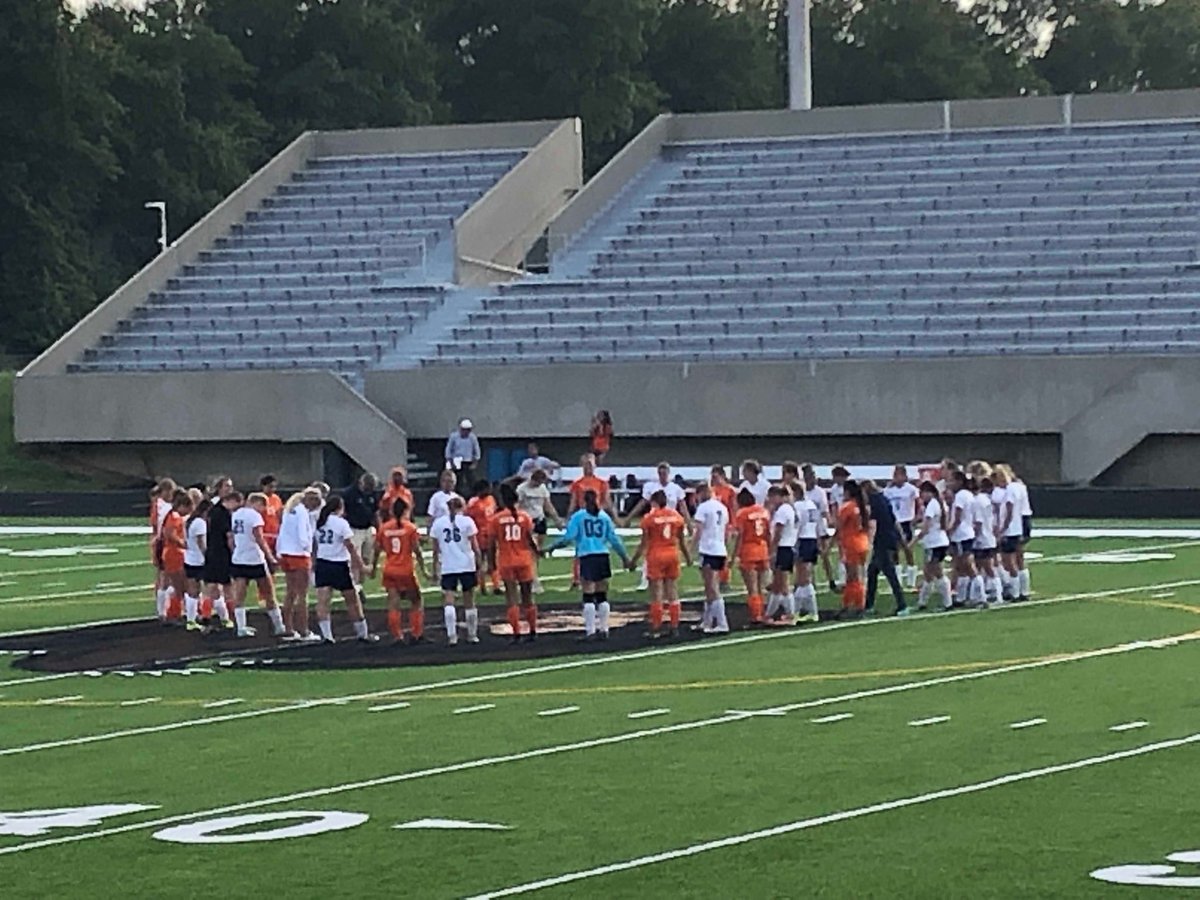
(465, 423)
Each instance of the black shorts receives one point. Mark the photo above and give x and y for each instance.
(1010, 544)
(333, 575)
(539, 527)
(595, 567)
(906, 530)
(962, 548)
(250, 573)
(1026, 529)
(984, 552)
(808, 550)
(936, 554)
(716, 563)
(785, 559)
(216, 570)
(459, 581)
(195, 573)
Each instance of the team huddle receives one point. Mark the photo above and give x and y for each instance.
(210, 546)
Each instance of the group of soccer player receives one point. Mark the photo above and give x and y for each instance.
(210, 545)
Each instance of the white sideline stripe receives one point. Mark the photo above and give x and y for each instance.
(647, 713)
(131, 590)
(34, 679)
(479, 707)
(932, 720)
(842, 816)
(63, 570)
(56, 530)
(1027, 723)
(48, 701)
(1081, 556)
(1130, 726)
(559, 711)
(141, 702)
(836, 717)
(604, 660)
(216, 704)
(565, 748)
(388, 706)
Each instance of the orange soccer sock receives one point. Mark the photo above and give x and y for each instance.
(496, 580)
(755, 604)
(656, 615)
(416, 622)
(175, 607)
(206, 609)
(854, 595)
(675, 610)
(531, 617)
(394, 623)
(514, 620)
(725, 575)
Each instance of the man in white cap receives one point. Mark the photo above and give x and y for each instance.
(462, 454)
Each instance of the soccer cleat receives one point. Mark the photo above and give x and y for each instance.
(227, 624)
(904, 613)
(291, 637)
(452, 640)
(246, 632)
(531, 638)
(311, 638)
(369, 639)
(194, 626)
(806, 618)
(472, 639)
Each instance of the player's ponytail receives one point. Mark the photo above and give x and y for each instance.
(332, 506)
(855, 492)
(591, 503)
(508, 497)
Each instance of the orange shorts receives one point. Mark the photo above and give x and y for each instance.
(401, 582)
(519, 574)
(755, 565)
(294, 563)
(662, 568)
(172, 564)
(855, 554)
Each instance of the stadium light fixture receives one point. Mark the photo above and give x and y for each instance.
(799, 54)
(161, 206)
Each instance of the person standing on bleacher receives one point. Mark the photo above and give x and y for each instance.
(462, 455)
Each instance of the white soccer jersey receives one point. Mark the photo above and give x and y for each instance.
(196, 530)
(712, 522)
(903, 498)
(246, 551)
(453, 536)
(758, 489)
(999, 496)
(785, 516)
(331, 540)
(439, 504)
(808, 518)
(1021, 506)
(837, 495)
(819, 499)
(675, 494)
(531, 499)
(935, 534)
(964, 511)
(1013, 494)
(296, 532)
(985, 523)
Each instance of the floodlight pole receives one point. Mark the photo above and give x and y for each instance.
(799, 55)
(161, 206)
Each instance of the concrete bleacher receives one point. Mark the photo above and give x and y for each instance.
(1053, 240)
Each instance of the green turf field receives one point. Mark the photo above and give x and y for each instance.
(873, 759)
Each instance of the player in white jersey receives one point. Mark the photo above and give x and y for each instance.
(456, 556)
(439, 502)
(1012, 528)
(784, 533)
(985, 540)
(903, 495)
(249, 561)
(820, 498)
(294, 547)
(676, 500)
(754, 481)
(809, 525)
(962, 539)
(338, 567)
(196, 534)
(933, 537)
(712, 525)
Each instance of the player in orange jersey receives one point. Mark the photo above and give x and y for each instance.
(397, 489)
(273, 514)
(160, 505)
(720, 489)
(399, 541)
(752, 549)
(480, 509)
(663, 543)
(513, 552)
(174, 545)
(588, 481)
(854, 534)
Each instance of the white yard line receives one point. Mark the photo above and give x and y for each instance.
(1027, 723)
(48, 701)
(132, 591)
(479, 707)
(559, 711)
(217, 704)
(932, 720)
(35, 679)
(1130, 726)
(648, 713)
(64, 570)
(842, 816)
(387, 706)
(142, 702)
(836, 717)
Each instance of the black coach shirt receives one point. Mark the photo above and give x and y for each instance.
(885, 522)
(361, 506)
(220, 523)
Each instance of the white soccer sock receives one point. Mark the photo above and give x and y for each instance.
(944, 588)
(603, 608)
(961, 586)
(923, 595)
(706, 617)
(221, 609)
(276, 618)
(360, 628)
(191, 607)
(978, 592)
(472, 622)
(1023, 582)
(788, 601)
(810, 599)
(450, 620)
(721, 622)
(589, 619)
(773, 603)
(841, 573)
(998, 587)
(326, 628)
(239, 616)
(160, 603)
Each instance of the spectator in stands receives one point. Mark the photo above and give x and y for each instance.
(361, 500)
(534, 461)
(888, 539)
(462, 454)
(601, 434)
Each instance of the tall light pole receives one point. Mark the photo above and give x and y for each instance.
(799, 55)
(161, 206)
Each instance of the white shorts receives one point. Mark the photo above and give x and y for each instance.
(364, 543)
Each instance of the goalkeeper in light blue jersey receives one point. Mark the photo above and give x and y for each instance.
(592, 532)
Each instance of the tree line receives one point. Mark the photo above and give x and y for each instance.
(181, 100)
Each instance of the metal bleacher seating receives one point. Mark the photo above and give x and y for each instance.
(1022, 241)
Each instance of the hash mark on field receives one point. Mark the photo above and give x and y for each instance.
(559, 711)
(1027, 723)
(932, 720)
(1130, 726)
(143, 701)
(647, 713)
(1162, 595)
(214, 704)
(477, 708)
(385, 707)
(51, 700)
(836, 717)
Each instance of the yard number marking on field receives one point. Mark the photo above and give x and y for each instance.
(451, 825)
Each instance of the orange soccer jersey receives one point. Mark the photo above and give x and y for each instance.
(585, 483)
(513, 532)
(480, 511)
(753, 523)
(390, 496)
(172, 533)
(662, 528)
(397, 540)
(853, 536)
(727, 495)
(271, 518)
